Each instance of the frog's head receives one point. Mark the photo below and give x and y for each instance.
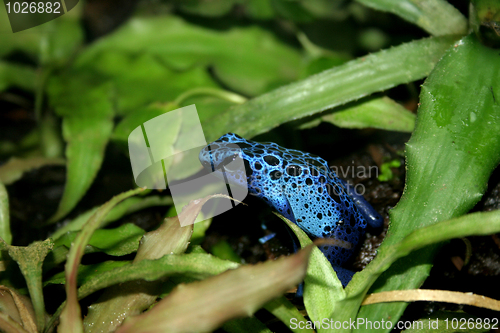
(224, 157)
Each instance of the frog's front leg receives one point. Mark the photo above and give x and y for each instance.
(372, 217)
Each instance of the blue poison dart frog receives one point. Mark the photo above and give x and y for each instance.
(301, 187)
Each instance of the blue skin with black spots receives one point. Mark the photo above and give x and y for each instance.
(301, 187)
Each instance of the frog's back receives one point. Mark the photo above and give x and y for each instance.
(300, 186)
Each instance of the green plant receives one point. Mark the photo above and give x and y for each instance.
(154, 64)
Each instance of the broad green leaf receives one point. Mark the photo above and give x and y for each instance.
(322, 287)
(140, 80)
(223, 250)
(481, 223)
(116, 242)
(52, 145)
(449, 159)
(128, 206)
(71, 318)
(27, 41)
(87, 273)
(30, 260)
(333, 87)
(19, 76)
(51, 43)
(382, 113)
(438, 17)
(62, 39)
(109, 312)
(79, 94)
(236, 293)
(195, 265)
(14, 169)
(5, 233)
(87, 125)
(245, 59)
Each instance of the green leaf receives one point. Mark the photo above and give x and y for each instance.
(481, 223)
(14, 169)
(128, 206)
(223, 250)
(52, 145)
(236, 293)
(5, 233)
(438, 17)
(116, 242)
(19, 76)
(51, 43)
(62, 39)
(195, 265)
(382, 113)
(322, 287)
(30, 260)
(140, 80)
(449, 159)
(87, 125)
(245, 59)
(87, 273)
(333, 87)
(109, 312)
(71, 320)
